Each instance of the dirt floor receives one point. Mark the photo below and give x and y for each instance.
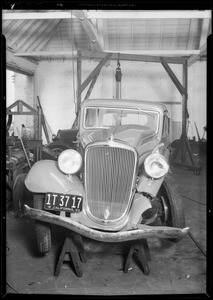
(175, 268)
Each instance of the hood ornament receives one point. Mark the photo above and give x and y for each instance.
(106, 214)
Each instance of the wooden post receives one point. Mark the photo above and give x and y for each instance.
(38, 149)
(78, 104)
(183, 145)
(184, 111)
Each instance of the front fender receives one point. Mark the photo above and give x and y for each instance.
(44, 176)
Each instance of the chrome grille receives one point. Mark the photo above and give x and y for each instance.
(109, 173)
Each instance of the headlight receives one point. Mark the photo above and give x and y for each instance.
(69, 161)
(156, 165)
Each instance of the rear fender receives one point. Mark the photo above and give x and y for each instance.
(44, 176)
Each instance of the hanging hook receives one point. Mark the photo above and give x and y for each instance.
(118, 73)
(118, 62)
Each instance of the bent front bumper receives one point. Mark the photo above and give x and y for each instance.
(138, 232)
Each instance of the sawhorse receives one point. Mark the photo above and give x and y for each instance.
(141, 249)
(74, 246)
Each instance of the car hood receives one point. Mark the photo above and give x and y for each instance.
(133, 135)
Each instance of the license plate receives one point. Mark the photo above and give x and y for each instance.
(61, 202)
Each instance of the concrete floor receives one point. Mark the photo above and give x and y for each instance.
(178, 268)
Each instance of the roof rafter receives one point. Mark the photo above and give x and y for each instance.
(45, 41)
(36, 37)
(91, 31)
(204, 31)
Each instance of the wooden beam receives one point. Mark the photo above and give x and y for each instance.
(101, 55)
(184, 112)
(132, 57)
(95, 71)
(108, 14)
(157, 52)
(20, 64)
(185, 98)
(78, 105)
(46, 53)
(204, 32)
(36, 16)
(149, 14)
(90, 30)
(194, 58)
(19, 105)
(175, 80)
(92, 85)
(190, 38)
(100, 30)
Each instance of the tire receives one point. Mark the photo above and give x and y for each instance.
(8, 196)
(174, 214)
(42, 229)
(57, 148)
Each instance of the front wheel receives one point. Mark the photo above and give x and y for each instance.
(42, 229)
(173, 210)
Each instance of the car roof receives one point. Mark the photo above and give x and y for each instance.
(126, 103)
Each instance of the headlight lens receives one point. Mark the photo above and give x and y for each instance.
(156, 165)
(69, 161)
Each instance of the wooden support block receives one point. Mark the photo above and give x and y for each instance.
(141, 249)
(143, 259)
(75, 258)
(61, 259)
(146, 249)
(70, 247)
(128, 260)
(79, 245)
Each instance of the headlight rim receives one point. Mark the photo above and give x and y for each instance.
(165, 164)
(64, 171)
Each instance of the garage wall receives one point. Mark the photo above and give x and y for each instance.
(197, 98)
(146, 81)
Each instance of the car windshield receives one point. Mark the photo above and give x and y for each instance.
(108, 117)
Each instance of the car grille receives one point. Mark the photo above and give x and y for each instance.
(109, 173)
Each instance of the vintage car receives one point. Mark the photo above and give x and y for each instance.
(116, 184)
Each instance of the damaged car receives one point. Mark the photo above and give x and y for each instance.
(116, 185)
